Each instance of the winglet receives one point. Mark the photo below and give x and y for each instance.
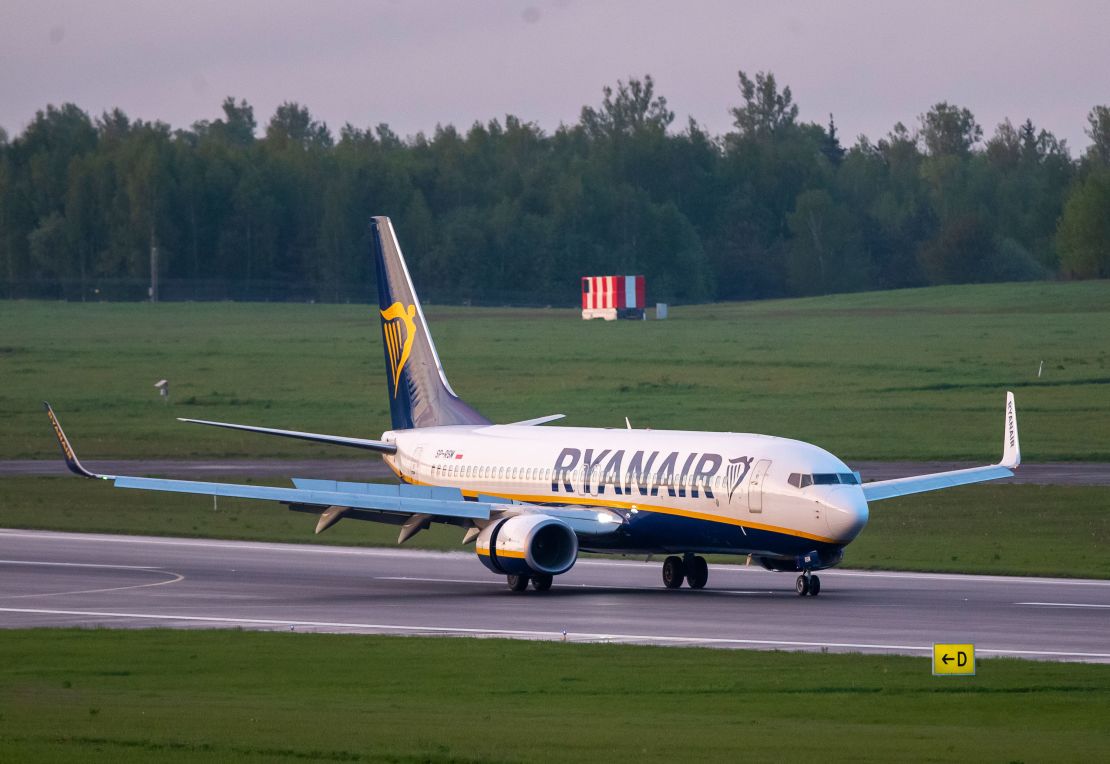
(72, 461)
(1011, 447)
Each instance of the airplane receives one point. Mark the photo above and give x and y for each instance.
(532, 497)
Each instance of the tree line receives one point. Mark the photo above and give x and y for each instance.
(506, 212)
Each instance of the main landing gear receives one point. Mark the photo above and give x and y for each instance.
(807, 583)
(691, 568)
(541, 582)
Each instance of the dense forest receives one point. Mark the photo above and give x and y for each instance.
(507, 213)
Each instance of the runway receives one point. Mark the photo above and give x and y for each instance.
(1045, 473)
(90, 580)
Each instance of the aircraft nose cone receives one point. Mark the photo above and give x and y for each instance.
(847, 513)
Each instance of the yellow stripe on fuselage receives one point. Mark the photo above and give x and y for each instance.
(591, 502)
(663, 510)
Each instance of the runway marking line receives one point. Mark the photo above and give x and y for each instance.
(381, 552)
(175, 577)
(79, 565)
(1064, 604)
(577, 636)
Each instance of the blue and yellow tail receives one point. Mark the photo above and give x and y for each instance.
(419, 393)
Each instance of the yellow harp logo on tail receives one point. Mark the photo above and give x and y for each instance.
(400, 331)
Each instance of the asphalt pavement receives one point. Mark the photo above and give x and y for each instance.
(91, 580)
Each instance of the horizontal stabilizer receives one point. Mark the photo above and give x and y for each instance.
(539, 420)
(335, 440)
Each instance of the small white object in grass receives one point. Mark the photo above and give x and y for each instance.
(1040, 369)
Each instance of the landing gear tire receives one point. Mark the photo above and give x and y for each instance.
(674, 571)
(541, 583)
(801, 586)
(517, 583)
(697, 572)
(814, 586)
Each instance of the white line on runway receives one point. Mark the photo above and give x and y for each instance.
(173, 578)
(521, 633)
(77, 565)
(1063, 604)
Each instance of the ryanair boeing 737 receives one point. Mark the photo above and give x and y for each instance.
(531, 497)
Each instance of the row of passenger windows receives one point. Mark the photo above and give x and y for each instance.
(540, 473)
(801, 480)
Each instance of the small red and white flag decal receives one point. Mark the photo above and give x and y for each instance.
(458, 456)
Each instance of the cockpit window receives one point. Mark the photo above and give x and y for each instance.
(798, 480)
(801, 480)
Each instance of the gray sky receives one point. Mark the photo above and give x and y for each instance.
(415, 64)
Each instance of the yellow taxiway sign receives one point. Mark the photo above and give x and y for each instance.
(956, 660)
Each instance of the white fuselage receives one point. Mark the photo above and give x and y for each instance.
(761, 486)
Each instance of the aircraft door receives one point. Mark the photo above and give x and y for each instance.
(414, 463)
(755, 485)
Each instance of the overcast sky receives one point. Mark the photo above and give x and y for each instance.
(414, 64)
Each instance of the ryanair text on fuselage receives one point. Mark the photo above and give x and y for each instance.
(618, 470)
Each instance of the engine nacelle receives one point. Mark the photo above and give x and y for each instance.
(528, 545)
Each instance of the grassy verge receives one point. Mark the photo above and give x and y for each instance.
(913, 374)
(181, 696)
(1003, 529)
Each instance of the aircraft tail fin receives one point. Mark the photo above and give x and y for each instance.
(419, 393)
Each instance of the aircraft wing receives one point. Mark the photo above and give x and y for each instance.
(1011, 458)
(413, 506)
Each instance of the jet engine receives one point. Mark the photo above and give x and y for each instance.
(527, 545)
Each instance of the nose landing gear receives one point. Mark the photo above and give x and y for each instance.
(807, 583)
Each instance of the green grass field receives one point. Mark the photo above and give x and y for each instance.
(124, 696)
(915, 374)
(1002, 529)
